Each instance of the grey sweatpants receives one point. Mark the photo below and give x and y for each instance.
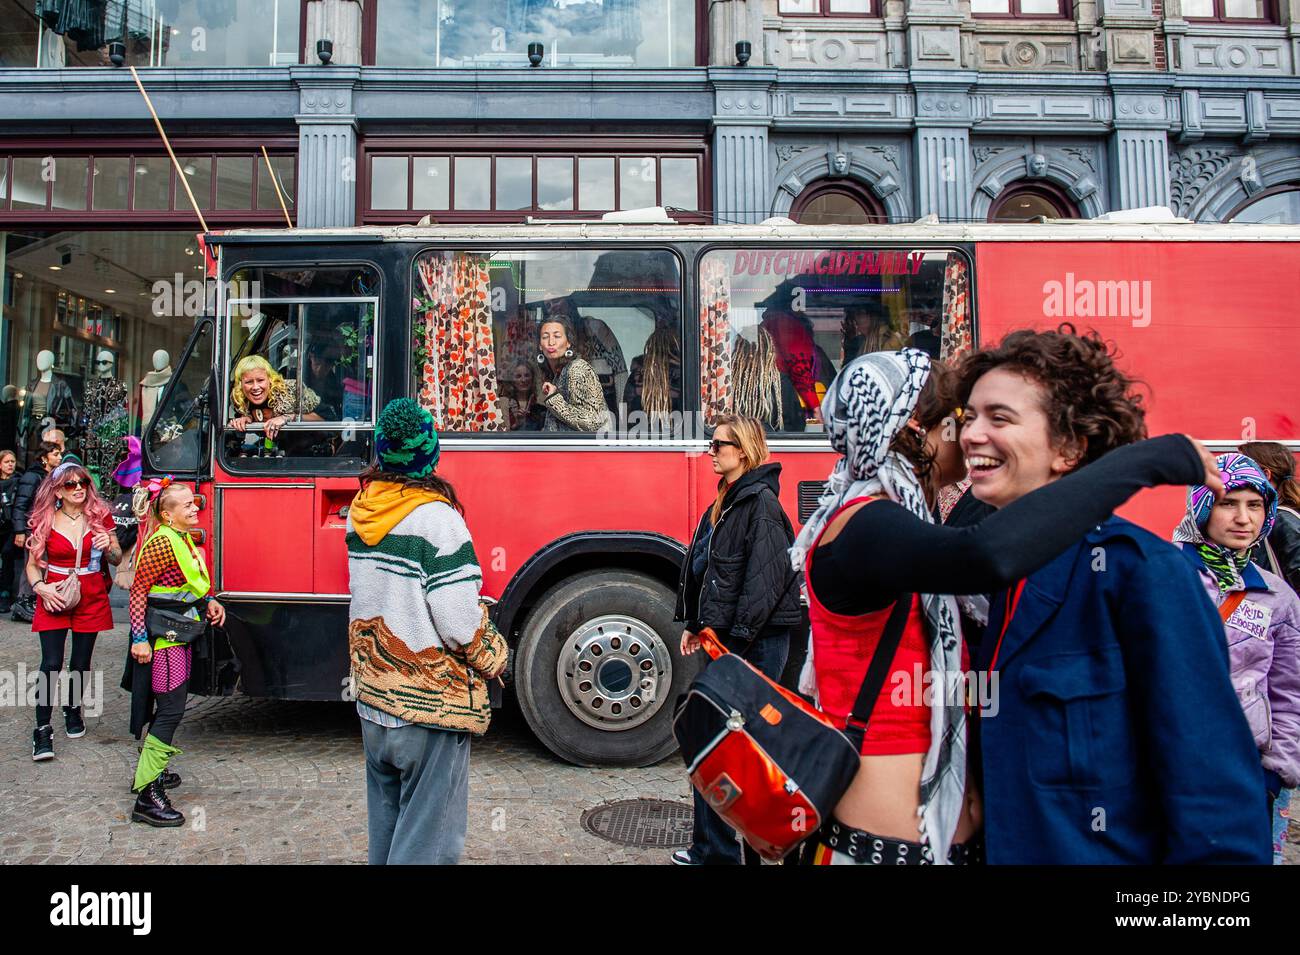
(417, 794)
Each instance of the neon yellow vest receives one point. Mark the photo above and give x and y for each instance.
(197, 581)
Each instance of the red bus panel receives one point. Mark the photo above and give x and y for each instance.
(267, 539)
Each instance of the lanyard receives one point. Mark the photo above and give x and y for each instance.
(1013, 601)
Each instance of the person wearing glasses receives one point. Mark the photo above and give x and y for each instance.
(736, 580)
(70, 531)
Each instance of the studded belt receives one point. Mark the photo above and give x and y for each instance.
(866, 848)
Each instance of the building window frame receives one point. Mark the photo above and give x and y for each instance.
(1280, 188)
(852, 188)
(1065, 11)
(370, 33)
(1040, 189)
(1270, 16)
(577, 147)
(145, 148)
(824, 10)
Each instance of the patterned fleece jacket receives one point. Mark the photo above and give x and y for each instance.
(420, 641)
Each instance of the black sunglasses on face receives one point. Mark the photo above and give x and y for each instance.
(715, 445)
(73, 483)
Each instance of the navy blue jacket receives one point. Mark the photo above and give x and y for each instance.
(1118, 737)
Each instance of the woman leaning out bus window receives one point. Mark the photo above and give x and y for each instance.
(571, 391)
(736, 580)
(158, 669)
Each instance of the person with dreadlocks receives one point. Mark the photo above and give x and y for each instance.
(421, 642)
(1261, 613)
(158, 669)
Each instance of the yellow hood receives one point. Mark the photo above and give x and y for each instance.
(381, 505)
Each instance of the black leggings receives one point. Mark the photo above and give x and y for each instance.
(52, 644)
(169, 707)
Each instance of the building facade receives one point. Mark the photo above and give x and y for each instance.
(343, 112)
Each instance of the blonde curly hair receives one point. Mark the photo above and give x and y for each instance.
(278, 394)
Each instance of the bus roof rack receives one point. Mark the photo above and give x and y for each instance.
(1150, 215)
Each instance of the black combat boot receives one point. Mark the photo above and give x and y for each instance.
(153, 807)
(168, 779)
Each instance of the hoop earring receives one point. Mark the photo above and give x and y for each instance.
(58, 504)
(541, 359)
(568, 353)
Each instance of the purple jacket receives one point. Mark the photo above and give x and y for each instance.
(1263, 636)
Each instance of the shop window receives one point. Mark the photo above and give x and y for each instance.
(1022, 9)
(496, 33)
(403, 187)
(777, 324)
(171, 33)
(837, 202)
(826, 8)
(604, 327)
(107, 308)
(1229, 11)
(320, 350)
(176, 435)
(1277, 206)
(1029, 202)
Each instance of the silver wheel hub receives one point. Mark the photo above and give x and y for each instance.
(614, 672)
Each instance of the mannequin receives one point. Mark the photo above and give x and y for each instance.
(106, 416)
(152, 385)
(49, 404)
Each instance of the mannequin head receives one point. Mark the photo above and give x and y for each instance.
(44, 360)
(9, 393)
(161, 360)
(104, 363)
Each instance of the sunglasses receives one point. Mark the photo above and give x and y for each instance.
(715, 445)
(73, 483)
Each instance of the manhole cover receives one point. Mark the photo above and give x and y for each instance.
(653, 823)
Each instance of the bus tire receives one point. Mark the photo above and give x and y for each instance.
(589, 707)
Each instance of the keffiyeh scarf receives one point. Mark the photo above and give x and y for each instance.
(869, 402)
(1239, 473)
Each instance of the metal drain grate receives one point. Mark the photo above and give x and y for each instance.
(652, 823)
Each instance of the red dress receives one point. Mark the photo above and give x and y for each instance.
(92, 613)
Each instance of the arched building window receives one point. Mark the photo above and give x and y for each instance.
(1279, 205)
(837, 202)
(1021, 203)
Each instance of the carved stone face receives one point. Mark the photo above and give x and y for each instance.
(1037, 165)
(840, 164)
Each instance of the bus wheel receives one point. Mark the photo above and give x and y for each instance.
(598, 667)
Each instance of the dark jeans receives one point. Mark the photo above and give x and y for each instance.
(715, 842)
(52, 644)
(12, 562)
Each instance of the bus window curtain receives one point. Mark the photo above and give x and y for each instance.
(458, 383)
(958, 338)
(715, 339)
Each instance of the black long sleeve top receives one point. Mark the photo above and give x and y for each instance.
(885, 550)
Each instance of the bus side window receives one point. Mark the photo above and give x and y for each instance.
(477, 325)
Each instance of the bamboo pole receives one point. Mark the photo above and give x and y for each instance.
(180, 173)
(275, 181)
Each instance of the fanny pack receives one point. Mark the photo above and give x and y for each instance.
(167, 618)
(768, 762)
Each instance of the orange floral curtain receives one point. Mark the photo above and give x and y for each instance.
(715, 339)
(458, 383)
(958, 338)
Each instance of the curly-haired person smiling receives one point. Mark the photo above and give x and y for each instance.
(1118, 737)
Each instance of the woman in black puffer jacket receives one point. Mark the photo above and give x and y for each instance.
(736, 580)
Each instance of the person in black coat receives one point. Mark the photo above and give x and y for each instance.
(48, 457)
(736, 580)
(8, 551)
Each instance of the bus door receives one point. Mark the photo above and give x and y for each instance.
(178, 442)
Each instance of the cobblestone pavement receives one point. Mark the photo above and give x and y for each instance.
(275, 782)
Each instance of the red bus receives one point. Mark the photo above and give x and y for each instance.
(581, 534)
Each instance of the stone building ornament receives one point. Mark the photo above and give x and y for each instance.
(1036, 165)
(839, 164)
(1190, 172)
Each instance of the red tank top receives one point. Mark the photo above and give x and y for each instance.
(842, 648)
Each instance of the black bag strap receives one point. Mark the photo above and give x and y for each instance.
(855, 727)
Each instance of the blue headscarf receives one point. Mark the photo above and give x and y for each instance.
(1239, 473)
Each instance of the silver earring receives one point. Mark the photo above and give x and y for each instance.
(568, 353)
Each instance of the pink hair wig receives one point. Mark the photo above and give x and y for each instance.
(41, 518)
